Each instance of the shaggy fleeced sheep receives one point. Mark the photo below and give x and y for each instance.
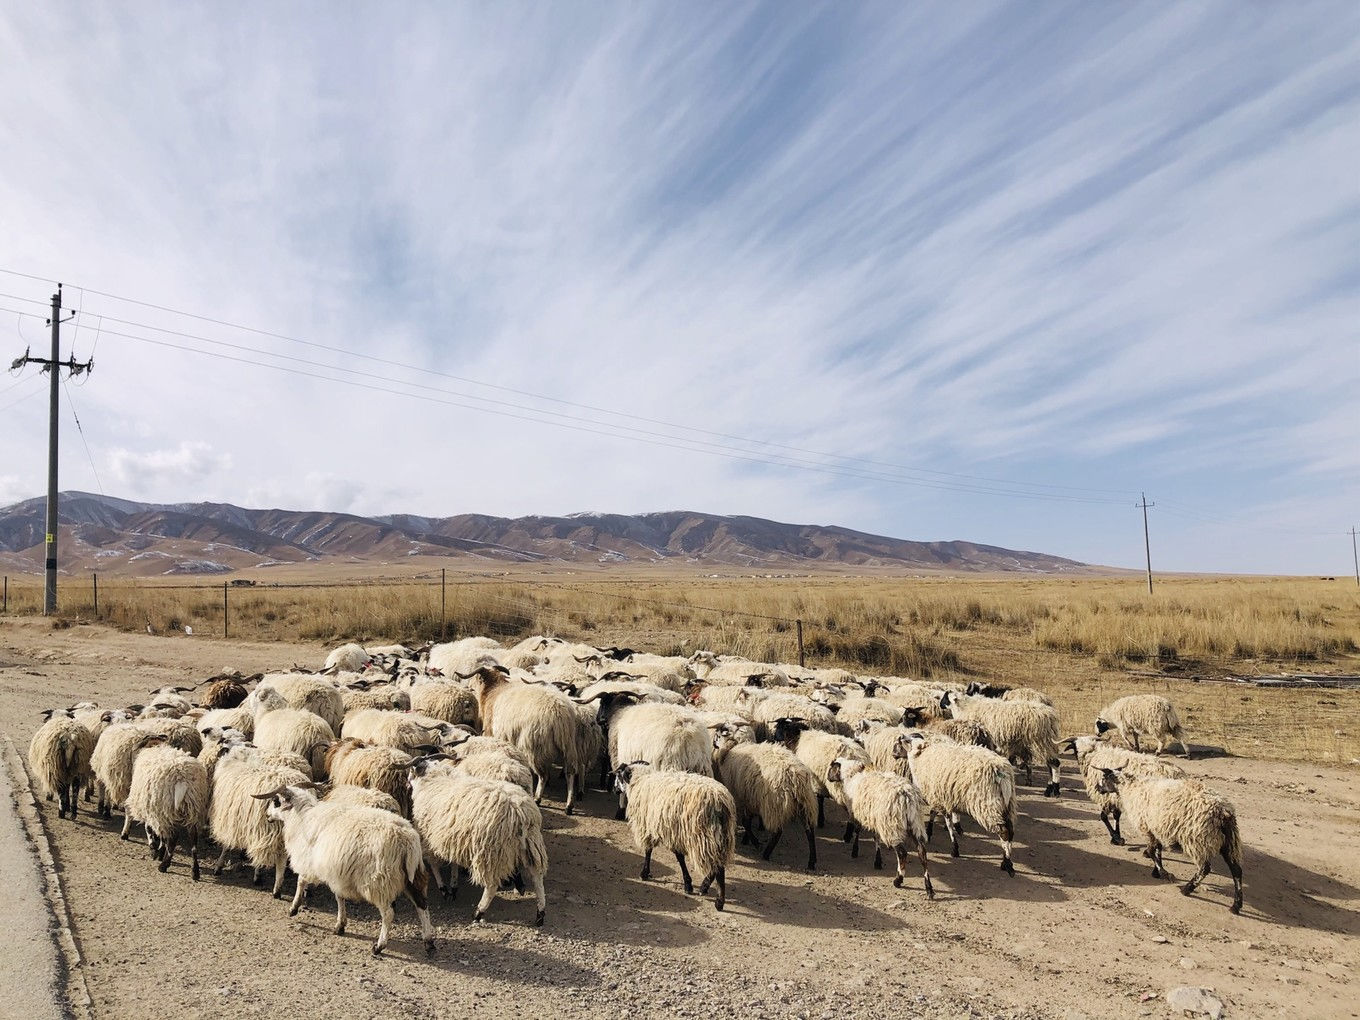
(117, 748)
(59, 757)
(168, 795)
(291, 729)
(361, 796)
(957, 778)
(961, 731)
(669, 737)
(305, 692)
(359, 694)
(1184, 812)
(767, 781)
(541, 721)
(888, 806)
(444, 699)
(360, 853)
(817, 750)
(491, 828)
(236, 817)
(385, 769)
(1023, 731)
(693, 816)
(1148, 715)
(1094, 754)
(350, 657)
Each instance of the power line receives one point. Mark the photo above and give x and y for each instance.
(81, 430)
(557, 419)
(557, 400)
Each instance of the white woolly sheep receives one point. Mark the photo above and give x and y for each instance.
(879, 744)
(1023, 731)
(1094, 754)
(401, 730)
(305, 692)
(59, 757)
(242, 718)
(768, 782)
(1149, 715)
(117, 748)
(766, 707)
(889, 807)
(236, 817)
(961, 731)
(360, 853)
(361, 796)
(169, 796)
(693, 816)
(290, 729)
(817, 750)
(857, 707)
(956, 778)
(353, 762)
(461, 656)
(1184, 812)
(1004, 692)
(491, 828)
(444, 699)
(359, 695)
(541, 721)
(351, 657)
(669, 737)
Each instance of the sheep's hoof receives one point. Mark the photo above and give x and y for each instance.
(377, 949)
(719, 904)
(1117, 840)
(619, 815)
(429, 947)
(539, 918)
(689, 888)
(878, 864)
(954, 850)
(854, 851)
(292, 911)
(195, 873)
(646, 874)
(703, 889)
(278, 895)
(1236, 907)
(477, 917)
(339, 929)
(123, 836)
(571, 811)
(449, 892)
(897, 882)
(812, 864)
(163, 867)
(1008, 867)
(1187, 889)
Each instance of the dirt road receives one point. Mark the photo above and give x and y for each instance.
(1081, 931)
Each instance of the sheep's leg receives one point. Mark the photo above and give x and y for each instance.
(647, 863)
(706, 883)
(280, 872)
(1155, 850)
(878, 855)
(849, 830)
(1185, 748)
(456, 876)
(1198, 877)
(622, 811)
(341, 914)
(1054, 787)
(217, 868)
(297, 897)
(769, 847)
(488, 894)
(387, 914)
(1134, 735)
(416, 890)
(540, 897)
(854, 841)
(167, 851)
(432, 866)
(540, 780)
(193, 846)
(684, 872)
(901, 850)
(1007, 835)
(256, 874)
(1160, 747)
(951, 823)
(749, 836)
(721, 876)
(821, 811)
(1235, 869)
(930, 826)
(1106, 813)
(812, 847)
(571, 793)
(127, 826)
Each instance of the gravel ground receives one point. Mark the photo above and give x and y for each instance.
(1081, 931)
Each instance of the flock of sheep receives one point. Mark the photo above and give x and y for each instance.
(372, 774)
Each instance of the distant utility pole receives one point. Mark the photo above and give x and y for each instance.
(54, 365)
(1147, 545)
(1354, 557)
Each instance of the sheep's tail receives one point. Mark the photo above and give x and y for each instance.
(906, 802)
(414, 860)
(1174, 721)
(69, 751)
(181, 791)
(532, 850)
(1232, 840)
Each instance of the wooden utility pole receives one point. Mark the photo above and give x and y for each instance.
(1147, 545)
(54, 365)
(1355, 558)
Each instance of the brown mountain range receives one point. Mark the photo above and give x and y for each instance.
(119, 536)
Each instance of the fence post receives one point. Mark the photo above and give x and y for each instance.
(224, 608)
(95, 577)
(802, 658)
(6, 609)
(442, 601)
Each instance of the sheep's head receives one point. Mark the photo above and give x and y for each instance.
(224, 692)
(1102, 726)
(420, 766)
(908, 744)
(611, 702)
(947, 702)
(485, 676)
(863, 726)
(871, 687)
(56, 713)
(787, 730)
(1109, 781)
(284, 800)
(626, 773)
(266, 699)
(756, 679)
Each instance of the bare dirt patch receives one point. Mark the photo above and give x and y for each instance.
(1082, 930)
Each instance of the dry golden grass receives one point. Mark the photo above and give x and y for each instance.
(1076, 638)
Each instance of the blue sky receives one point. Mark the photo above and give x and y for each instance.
(1108, 247)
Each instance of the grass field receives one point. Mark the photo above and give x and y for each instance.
(1085, 640)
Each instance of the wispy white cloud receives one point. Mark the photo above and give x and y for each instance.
(1077, 244)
